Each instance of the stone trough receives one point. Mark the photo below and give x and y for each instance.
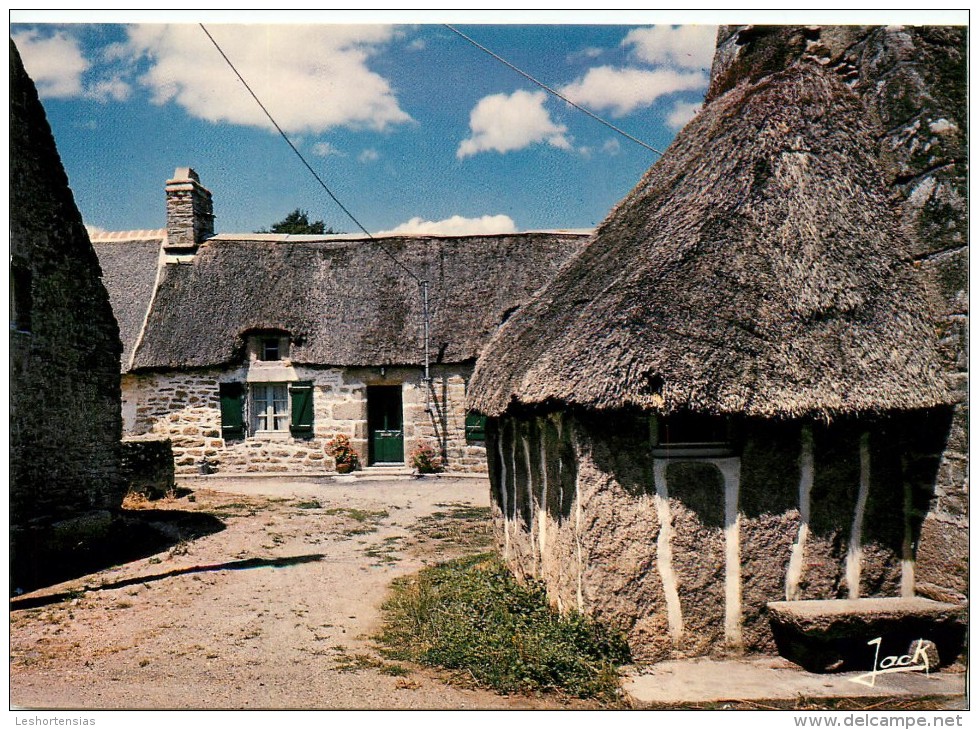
(868, 633)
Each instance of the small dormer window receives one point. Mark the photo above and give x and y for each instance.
(270, 348)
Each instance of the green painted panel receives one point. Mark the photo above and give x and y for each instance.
(389, 446)
(232, 411)
(475, 427)
(302, 409)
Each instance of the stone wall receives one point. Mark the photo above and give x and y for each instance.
(914, 83)
(185, 408)
(147, 464)
(915, 80)
(685, 553)
(65, 423)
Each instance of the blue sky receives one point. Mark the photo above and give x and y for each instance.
(411, 126)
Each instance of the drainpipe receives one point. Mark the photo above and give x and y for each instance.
(428, 378)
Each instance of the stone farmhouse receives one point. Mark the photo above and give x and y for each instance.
(749, 387)
(65, 425)
(250, 352)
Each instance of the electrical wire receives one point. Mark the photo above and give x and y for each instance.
(303, 160)
(555, 92)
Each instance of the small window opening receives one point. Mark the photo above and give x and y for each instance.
(691, 434)
(270, 349)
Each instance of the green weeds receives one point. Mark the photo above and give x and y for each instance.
(471, 615)
(367, 520)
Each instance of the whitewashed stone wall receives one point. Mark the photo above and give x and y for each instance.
(185, 407)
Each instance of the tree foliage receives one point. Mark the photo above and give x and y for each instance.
(297, 222)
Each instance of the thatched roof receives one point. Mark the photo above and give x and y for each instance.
(129, 264)
(345, 302)
(757, 268)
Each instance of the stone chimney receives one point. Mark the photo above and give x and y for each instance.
(190, 215)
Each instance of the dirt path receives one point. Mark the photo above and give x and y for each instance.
(275, 611)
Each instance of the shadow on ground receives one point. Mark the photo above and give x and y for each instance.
(18, 604)
(53, 554)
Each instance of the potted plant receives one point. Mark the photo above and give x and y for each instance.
(427, 460)
(343, 453)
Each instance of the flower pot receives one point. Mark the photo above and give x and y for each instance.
(344, 468)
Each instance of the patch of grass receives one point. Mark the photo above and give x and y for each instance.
(386, 552)
(234, 509)
(343, 662)
(463, 511)
(461, 526)
(471, 615)
(358, 515)
(311, 504)
(368, 520)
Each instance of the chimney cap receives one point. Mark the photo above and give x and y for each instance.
(184, 174)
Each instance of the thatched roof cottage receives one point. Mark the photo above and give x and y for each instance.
(733, 394)
(250, 352)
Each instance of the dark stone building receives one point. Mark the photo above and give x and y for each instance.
(65, 419)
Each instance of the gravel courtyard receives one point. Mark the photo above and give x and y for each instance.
(274, 611)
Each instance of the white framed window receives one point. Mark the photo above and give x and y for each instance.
(269, 407)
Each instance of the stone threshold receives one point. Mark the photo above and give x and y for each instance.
(757, 679)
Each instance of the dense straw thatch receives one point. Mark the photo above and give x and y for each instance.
(345, 302)
(757, 268)
(129, 267)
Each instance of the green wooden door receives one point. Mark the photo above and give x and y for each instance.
(385, 424)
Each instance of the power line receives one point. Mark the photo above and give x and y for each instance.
(556, 93)
(303, 159)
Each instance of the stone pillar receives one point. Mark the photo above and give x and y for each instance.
(190, 214)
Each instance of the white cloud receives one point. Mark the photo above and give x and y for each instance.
(417, 45)
(55, 63)
(114, 89)
(504, 123)
(325, 149)
(585, 53)
(611, 147)
(457, 226)
(686, 46)
(623, 90)
(682, 113)
(311, 78)
(369, 155)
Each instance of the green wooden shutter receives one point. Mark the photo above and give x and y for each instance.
(232, 412)
(475, 427)
(302, 409)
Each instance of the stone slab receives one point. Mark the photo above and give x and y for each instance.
(758, 679)
(834, 635)
(818, 611)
